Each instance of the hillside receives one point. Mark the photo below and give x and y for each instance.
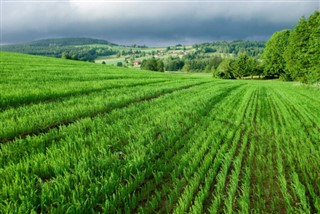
(101, 51)
(79, 137)
(69, 42)
(85, 49)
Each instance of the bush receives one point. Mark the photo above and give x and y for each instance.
(153, 64)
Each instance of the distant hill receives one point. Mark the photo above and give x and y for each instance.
(97, 50)
(70, 41)
(85, 49)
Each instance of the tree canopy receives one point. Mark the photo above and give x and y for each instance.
(273, 55)
(303, 52)
(153, 64)
(296, 54)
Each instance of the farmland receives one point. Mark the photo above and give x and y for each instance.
(78, 137)
(101, 51)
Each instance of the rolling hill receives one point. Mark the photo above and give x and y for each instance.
(85, 49)
(94, 50)
(69, 42)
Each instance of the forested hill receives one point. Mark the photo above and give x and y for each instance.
(85, 49)
(69, 41)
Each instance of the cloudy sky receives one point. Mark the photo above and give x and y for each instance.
(150, 22)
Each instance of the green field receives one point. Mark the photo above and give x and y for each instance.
(79, 137)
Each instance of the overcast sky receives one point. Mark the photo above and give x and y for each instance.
(152, 22)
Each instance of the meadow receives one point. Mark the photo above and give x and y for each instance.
(79, 137)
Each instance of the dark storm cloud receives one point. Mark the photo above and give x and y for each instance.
(151, 23)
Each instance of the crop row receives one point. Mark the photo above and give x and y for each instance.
(32, 119)
(46, 92)
(282, 162)
(109, 148)
(30, 79)
(300, 149)
(165, 147)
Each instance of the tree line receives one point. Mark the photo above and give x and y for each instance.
(207, 57)
(288, 55)
(226, 68)
(295, 54)
(252, 48)
(241, 66)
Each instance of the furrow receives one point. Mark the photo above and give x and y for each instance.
(32, 100)
(42, 130)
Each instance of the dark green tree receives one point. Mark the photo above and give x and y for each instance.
(225, 69)
(303, 53)
(274, 60)
(160, 65)
(173, 64)
(243, 66)
(152, 64)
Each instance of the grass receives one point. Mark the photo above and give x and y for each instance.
(83, 138)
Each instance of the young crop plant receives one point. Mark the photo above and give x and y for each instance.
(87, 138)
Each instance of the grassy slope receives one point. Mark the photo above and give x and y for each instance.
(82, 138)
